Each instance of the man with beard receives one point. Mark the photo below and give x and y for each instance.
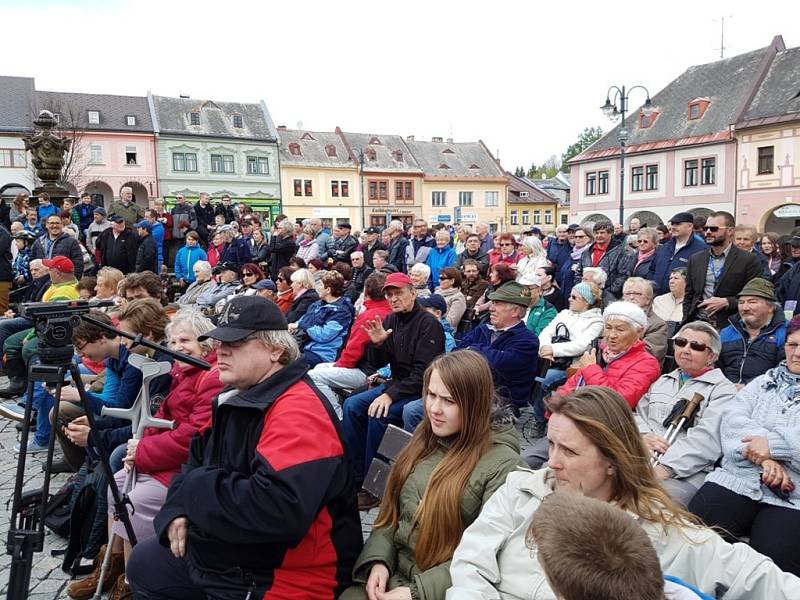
(473, 285)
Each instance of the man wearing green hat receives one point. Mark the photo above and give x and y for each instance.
(753, 342)
(510, 347)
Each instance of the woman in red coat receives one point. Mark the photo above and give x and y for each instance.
(624, 364)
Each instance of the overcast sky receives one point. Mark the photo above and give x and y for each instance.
(525, 77)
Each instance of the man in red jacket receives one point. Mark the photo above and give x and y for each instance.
(346, 373)
(265, 507)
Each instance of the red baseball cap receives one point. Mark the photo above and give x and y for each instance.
(398, 280)
(60, 263)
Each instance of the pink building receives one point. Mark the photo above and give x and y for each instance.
(114, 144)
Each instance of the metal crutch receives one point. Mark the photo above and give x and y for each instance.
(682, 417)
(139, 416)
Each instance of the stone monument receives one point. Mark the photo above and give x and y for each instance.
(47, 150)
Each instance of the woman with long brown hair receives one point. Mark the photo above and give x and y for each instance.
(459, 455)
(596, 449)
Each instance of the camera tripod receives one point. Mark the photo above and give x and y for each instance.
(53, 323)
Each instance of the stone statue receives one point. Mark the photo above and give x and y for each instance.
(47, 151)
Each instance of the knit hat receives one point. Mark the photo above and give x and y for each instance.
(627, 311)
(760, 288)
(585, 290)
(512, 292)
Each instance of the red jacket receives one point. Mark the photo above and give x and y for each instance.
(161, 452)
(631, 375)
(358, 341)
(495, 256)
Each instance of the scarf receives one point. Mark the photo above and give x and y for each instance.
(786, 382)
(642, 257)
(577, 252)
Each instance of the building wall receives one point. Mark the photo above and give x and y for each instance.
(537, 216)
(669, 197)
(20, 175)
(760, 195)
(111, 168)
(378, 213)
(479, 211)
(321, 203)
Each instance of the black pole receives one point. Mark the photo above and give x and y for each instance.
(623, 109)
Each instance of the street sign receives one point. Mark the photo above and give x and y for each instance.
(790, 211)
(443, 218)
(469, 217)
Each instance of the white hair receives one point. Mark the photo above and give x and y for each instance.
(396, 225)
(202, 265)
(193, 322)
(597, 275)
(534, 244)
(421, 269)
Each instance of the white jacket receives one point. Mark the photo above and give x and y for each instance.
(527, 265)
(584, 328)
(492, 561)
(695, 452)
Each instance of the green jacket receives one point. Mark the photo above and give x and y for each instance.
(540, 316)
(395, 547)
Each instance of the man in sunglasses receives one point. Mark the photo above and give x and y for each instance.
(675, 252)
(716, 276)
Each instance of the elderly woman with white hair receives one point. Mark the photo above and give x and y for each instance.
(202, 283)
(691, 456)
(623, 362)
(533, 257)
(420, 274)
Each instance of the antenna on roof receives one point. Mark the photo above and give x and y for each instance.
(722, 35)
(299, 124)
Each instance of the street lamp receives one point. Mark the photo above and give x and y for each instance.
(617, 109)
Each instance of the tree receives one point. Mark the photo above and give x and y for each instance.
(532, 171)
(519, 172)
(587, 137)
(547, 170)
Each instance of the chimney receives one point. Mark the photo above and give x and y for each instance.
(185, 96)
(409, 138)
(436, 139)
(281, 127)
(449, 140)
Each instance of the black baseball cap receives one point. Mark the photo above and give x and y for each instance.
(245, 315)
(116, 219)
(436, 301)
(682, 217)
(226, 266)
(372, 230)
(795, 240)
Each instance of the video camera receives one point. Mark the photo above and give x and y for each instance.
(54, 321)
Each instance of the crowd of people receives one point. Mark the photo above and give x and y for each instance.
(538, 376)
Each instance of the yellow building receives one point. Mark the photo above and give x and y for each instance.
(530, 206)
(319, 178)
(461, 183)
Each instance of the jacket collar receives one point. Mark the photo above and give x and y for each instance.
(263, 394)
(712, 376)
(775, 323)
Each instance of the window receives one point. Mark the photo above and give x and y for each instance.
(708, 171)
(564, 219)
(537, 217)
(591, 184)
(492, 198)
(330, 150)
(191, 162)
(345, 188)
(694, 111)
(514, 218)
(95, 154)
(637, 176)
(130, 155)
(222, 163)
(93, 116)
(378, 191)
(184, 161)
(334, 189)
(651, 183)
(766, 160)
(194, 118)
(294, 149)
(130, 120)
(257, 165)
(308, 188)
(548, 216)
(438, 199)
(404, 191)
(690, 173)
(10, 158)
(602, 182)
(644, 121)
(465, 198)
(526, 217)
(302, 187)
(237, 121)
(340, 188)
(397, 155)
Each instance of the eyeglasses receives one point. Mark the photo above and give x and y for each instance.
(506, 244)
(580, 235)
(681, 342)
(248, 274)
(642, 241)
(634, 294)
(713, 228)
(441, 277)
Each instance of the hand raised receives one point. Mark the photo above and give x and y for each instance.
(374, 329)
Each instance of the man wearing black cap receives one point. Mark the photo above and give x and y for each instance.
(373, 243)
(265, 505)
(147, 254)
(117, 246)
(341, 244)
(676, 252)
(227, 282)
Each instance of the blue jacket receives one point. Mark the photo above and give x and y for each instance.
(42, 212)
(184, 262)
(513, 357)
(157, 231)
(85, 214)
(237, 252)
(667, 259)
(742, 360)
(327, 324)
(558, 254)
(439, 259)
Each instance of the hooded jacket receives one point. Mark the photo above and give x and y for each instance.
(630, 374)
(493, 562)
(696, 450)
(394, 546)
(439, 259)
(269, 495)
(327, 325)
(743, 359)
(185, 259)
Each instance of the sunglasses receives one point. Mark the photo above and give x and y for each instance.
(681, 342)
(248, 274)
(713, 228)
(506, 244)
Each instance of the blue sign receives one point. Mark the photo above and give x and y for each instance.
(443, 218)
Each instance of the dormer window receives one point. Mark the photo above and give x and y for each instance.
(294, 149)
(444, 166)
(646, 119)
(374, 141)
(447, 151)
(397, 155)
(93, 116)
(194, 118)
(697, 108)
(307, 136)
(330, 150)
(130, 121)
(370, 153)
(237, 121)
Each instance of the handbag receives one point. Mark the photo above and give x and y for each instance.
(561, 363)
